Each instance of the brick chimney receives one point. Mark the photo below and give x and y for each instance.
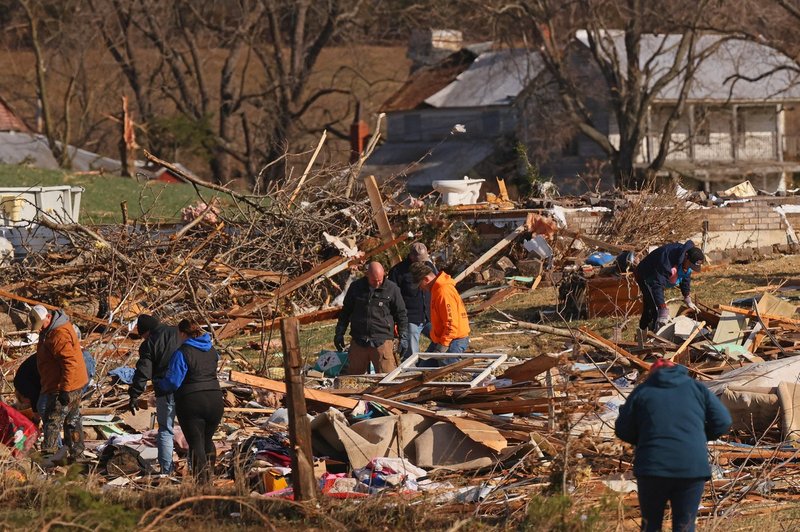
(359, 132)
(428, 47)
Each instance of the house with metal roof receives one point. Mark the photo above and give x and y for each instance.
(738, 122)
(449, 119)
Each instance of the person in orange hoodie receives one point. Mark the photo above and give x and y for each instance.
(449, 322)
(62, 371)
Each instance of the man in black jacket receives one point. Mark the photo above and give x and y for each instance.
(418, 302)
(372, 307)
(160, 342)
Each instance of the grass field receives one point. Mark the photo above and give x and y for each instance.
(100, 203)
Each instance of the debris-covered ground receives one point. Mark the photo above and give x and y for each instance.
(519, 433)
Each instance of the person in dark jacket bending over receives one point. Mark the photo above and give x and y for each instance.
(667, 266)
(160, 341)
(192, 378)
(372, 307)
(669, 418)
(418, 301)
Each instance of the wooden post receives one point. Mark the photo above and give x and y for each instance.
(303, 481)
(379, 213)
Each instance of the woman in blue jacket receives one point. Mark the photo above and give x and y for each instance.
(192, 378)
(669, 418)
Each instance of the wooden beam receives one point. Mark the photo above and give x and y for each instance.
(617, 349)
(752, 314)
(381, 219)
(318, 396)
(76, 314)
(685, 345)
(303, 483)
(595, 242)
(494, 250)
(234, 326)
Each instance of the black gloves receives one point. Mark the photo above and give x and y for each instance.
(338, 341)
(403, 344)
(63, 398)
(132, 405)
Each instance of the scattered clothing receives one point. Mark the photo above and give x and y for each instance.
(124, 374)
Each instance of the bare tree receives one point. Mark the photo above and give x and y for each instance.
(632, 75)
(63, 45)
(235, 72)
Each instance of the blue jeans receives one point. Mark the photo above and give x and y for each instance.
(415, 332)
(683, 494)
(165, 415)
(459, 345)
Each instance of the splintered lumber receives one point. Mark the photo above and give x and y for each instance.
(613, 248)
(753, 314)
(617, 349)
(474, 430)
(497, 298)
(234, 326)
(379, 213)
(529, 369)
(494, 250)
(310, 394)
(685, 345)
(79, 315)
(308, 166)
(303, 481)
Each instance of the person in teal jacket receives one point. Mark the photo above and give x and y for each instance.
(669, 418)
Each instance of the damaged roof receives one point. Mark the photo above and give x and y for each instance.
(494, 78)
(737, 70)
(429, 80)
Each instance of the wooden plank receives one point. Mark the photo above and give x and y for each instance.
(616, 349)
(494, 250)
(303, 481)
(76, 314)
(529, 369)
(379, 213)
(685, 345)
(310, 394)
(234, 326)
(475, 430)
(497, 298)
(613, 248)
(752, 314)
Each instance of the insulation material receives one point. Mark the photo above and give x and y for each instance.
(789, 397)
(751, 410)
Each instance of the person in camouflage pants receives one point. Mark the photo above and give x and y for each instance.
(63, 410)
(62, 371)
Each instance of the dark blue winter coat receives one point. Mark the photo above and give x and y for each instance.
(669, 418)
(656, 269)
(418, 302)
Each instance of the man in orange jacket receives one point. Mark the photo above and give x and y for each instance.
(63, 375)
(449, 322)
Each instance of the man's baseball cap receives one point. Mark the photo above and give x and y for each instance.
(38, 314)
(419, 253)
(696, 257)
